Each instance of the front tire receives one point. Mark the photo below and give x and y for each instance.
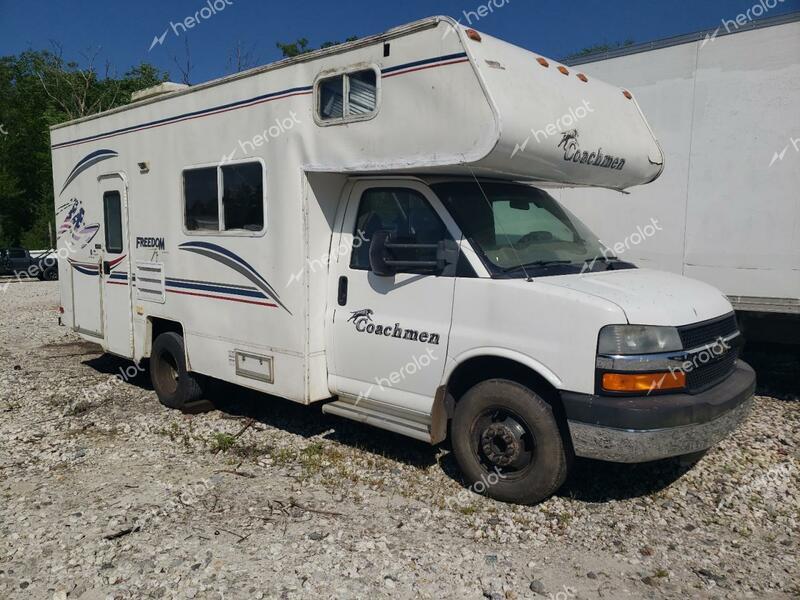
(507, 442)
(175, 386)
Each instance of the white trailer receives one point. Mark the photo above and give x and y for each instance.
(724, 105)
(359, 226)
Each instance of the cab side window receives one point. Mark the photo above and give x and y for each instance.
(403, 212)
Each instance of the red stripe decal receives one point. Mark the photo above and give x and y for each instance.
(224, 298)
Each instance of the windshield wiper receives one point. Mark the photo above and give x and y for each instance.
(538, 263)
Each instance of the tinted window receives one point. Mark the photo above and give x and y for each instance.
(112, 210)
(202, 199)
(403, 212)
(243, 196)
(16, 253)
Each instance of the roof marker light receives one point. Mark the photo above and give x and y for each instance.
(563, 70)
(627, 94)
(474, 35)
(543, 62)
(583, 77)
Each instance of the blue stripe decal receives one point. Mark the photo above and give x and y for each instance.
(427, 61)
(85, 271)
(121, 276)
(216, 288)
(86, 162)
(241, 103)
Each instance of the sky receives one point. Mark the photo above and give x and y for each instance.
(121, 33)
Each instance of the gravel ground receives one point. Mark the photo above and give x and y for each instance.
(106, 494)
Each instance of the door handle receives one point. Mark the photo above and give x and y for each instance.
(342, 291)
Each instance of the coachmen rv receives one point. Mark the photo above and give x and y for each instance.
(368, 226)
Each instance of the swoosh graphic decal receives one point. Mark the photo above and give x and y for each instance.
(238, 264)
(86, 162)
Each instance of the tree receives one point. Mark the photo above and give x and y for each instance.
(39, 89)
(241, 58)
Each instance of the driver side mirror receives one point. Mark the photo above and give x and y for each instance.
(383, 249)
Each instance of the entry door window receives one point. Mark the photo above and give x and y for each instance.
(112, 207)
(405, 213)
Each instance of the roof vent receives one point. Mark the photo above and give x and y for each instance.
(157, 90)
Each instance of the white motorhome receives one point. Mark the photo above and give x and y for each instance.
(724, 105)
(359, 226)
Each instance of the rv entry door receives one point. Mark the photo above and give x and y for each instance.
(115, 273)
(390, 332)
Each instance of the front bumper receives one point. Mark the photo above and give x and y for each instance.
(645, 428)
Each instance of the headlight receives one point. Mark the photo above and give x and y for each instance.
(638, 339)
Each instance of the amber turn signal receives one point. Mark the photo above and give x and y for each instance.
(644, 382)
(474, 35)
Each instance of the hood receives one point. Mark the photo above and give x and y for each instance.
(650, 297)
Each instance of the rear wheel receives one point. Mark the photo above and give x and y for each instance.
(51, 274)
(175, 386)
(507, 442)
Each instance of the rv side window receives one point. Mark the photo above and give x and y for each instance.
(243, 196)
(227, 198)
(112, 211)
(348, 96)
(202, 199)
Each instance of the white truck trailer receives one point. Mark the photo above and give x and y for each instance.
(358, 226)
(725, 107)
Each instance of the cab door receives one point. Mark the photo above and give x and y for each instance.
(389, 334)
(115, 273)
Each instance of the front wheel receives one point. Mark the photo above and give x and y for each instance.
(175, 386)
(506, 439)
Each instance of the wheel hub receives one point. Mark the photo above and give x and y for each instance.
(502, 442)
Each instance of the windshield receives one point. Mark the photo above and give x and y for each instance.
(520, 230)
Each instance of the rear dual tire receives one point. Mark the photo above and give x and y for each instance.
(508, 444)
(175, 386)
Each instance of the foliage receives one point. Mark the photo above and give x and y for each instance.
(39, 89)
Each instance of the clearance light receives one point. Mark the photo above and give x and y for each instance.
(644, 382)
(563, 70)
(474, 35)
(627, 94)
(583, 77)
(543, 62)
